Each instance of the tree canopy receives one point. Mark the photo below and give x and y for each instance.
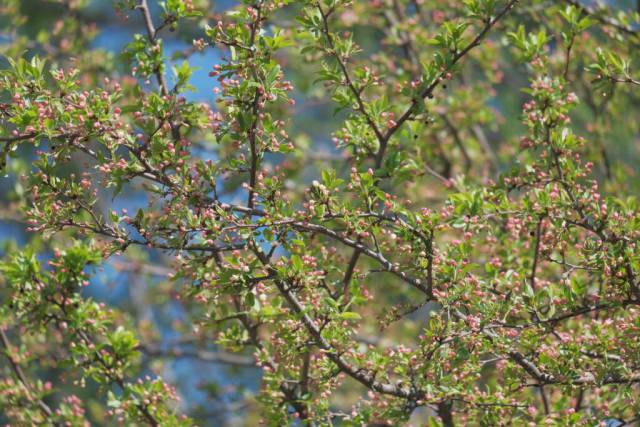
(320, 212)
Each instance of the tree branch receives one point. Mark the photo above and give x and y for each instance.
(17, 370)
(428, 91)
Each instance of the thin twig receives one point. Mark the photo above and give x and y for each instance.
(152, 36)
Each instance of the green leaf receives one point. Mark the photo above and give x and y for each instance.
(350, 315)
